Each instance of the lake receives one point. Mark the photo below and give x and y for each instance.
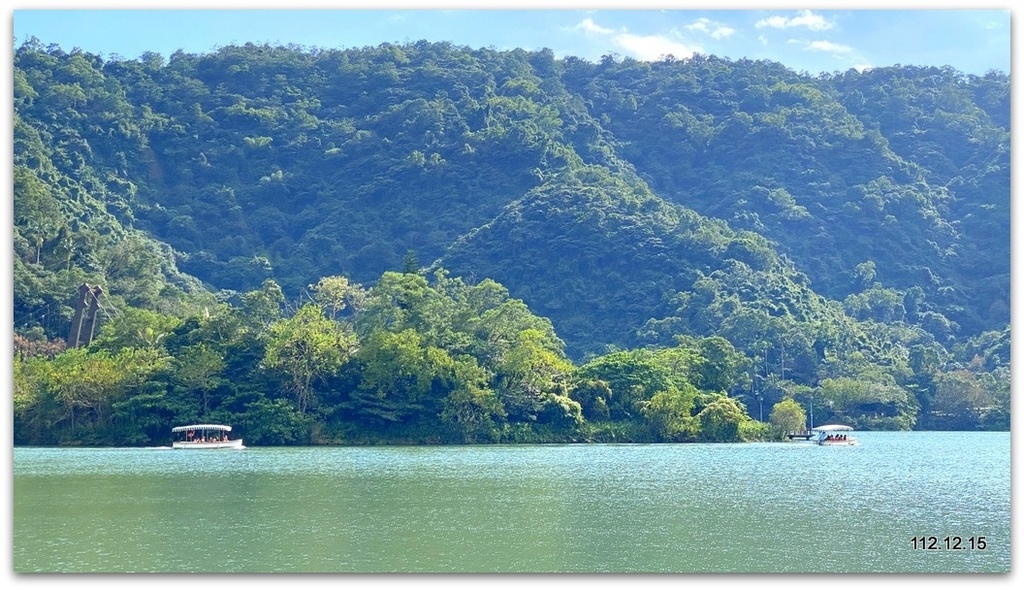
(678, 508)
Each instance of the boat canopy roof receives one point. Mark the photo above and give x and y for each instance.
(201, 427)
(831, 427)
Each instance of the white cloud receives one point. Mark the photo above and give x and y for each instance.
(701, 24)
(642, 47)
(804, 18)
(652, 47)
(814, 22)
(774, 22)
(589, 26)
(710, 27)
(829, 47)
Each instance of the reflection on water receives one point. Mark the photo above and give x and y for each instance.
(765, 507)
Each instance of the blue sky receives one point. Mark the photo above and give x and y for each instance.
(816, 40)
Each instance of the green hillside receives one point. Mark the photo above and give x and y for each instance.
(848, 226)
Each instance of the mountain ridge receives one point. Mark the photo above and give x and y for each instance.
(258, 162)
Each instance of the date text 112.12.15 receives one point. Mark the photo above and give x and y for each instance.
(948, 543)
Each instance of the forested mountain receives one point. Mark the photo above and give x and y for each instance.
(830, 230)
(902, 168)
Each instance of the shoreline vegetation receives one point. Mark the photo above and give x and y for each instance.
(409, 362)
(431, 244)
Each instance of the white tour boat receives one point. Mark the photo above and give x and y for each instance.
(835, 435)
(204, 436)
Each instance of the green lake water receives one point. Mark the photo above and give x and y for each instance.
(760, 507)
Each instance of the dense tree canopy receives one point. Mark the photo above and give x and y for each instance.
(424, 242)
